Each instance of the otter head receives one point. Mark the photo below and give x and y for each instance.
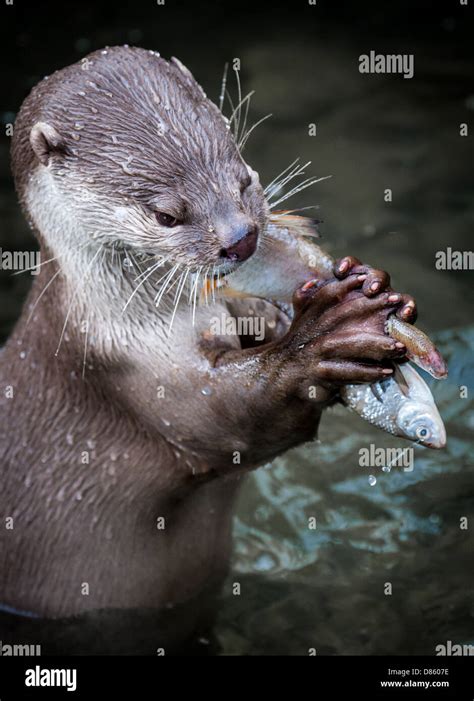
(124, 149)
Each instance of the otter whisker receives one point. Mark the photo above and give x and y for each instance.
(179, 292)
(159, 263)
(196, 284)
(223, 86)
(166, 279)
(231, 102)
(239, 95)
(294, 173)
(238, 108)
(246, 114)
(243, 142)
(193, 284)
(213, 290)
(85, 349)
(280, 175)
(151, 271)
(204, 287)
(279, 184)
(217, 285)
(301, 186)
(168, 272)
(79, 286)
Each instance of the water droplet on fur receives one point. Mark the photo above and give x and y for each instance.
(372, 480)
(78, 125)
(78, 496)
(166, 422)
(127, 263)
(76, 137)
(70, 439)
(90, 443)
(113, 457)
(22, 355)
(207, 391)
(125, 166)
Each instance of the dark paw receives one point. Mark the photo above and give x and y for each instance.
(376, 281)
(338, 333)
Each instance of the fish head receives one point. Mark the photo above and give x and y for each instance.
(436, 365)
(422, 424)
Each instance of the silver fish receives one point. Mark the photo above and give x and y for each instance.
(401, 404)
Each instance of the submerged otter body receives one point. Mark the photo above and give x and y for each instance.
(126, 424)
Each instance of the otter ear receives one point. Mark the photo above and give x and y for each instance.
(45, 141)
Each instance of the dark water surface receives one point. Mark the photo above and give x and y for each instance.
(324, 588)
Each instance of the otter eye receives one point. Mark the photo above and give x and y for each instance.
(422, 433)
(166, 219)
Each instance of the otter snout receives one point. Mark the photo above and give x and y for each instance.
(245, 245)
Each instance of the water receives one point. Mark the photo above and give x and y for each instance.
(324, 587)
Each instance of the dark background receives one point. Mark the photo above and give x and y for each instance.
(373, 132)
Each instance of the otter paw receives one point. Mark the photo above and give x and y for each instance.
(338, 333)
(376, 281)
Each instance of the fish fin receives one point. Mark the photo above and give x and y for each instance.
(295, 223)
(377, 391)
(401, 381)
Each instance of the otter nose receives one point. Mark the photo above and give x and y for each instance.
(243, 247)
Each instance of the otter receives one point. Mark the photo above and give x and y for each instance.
(126, 425)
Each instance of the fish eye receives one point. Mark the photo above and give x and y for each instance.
(164, 219)
(422, 433)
